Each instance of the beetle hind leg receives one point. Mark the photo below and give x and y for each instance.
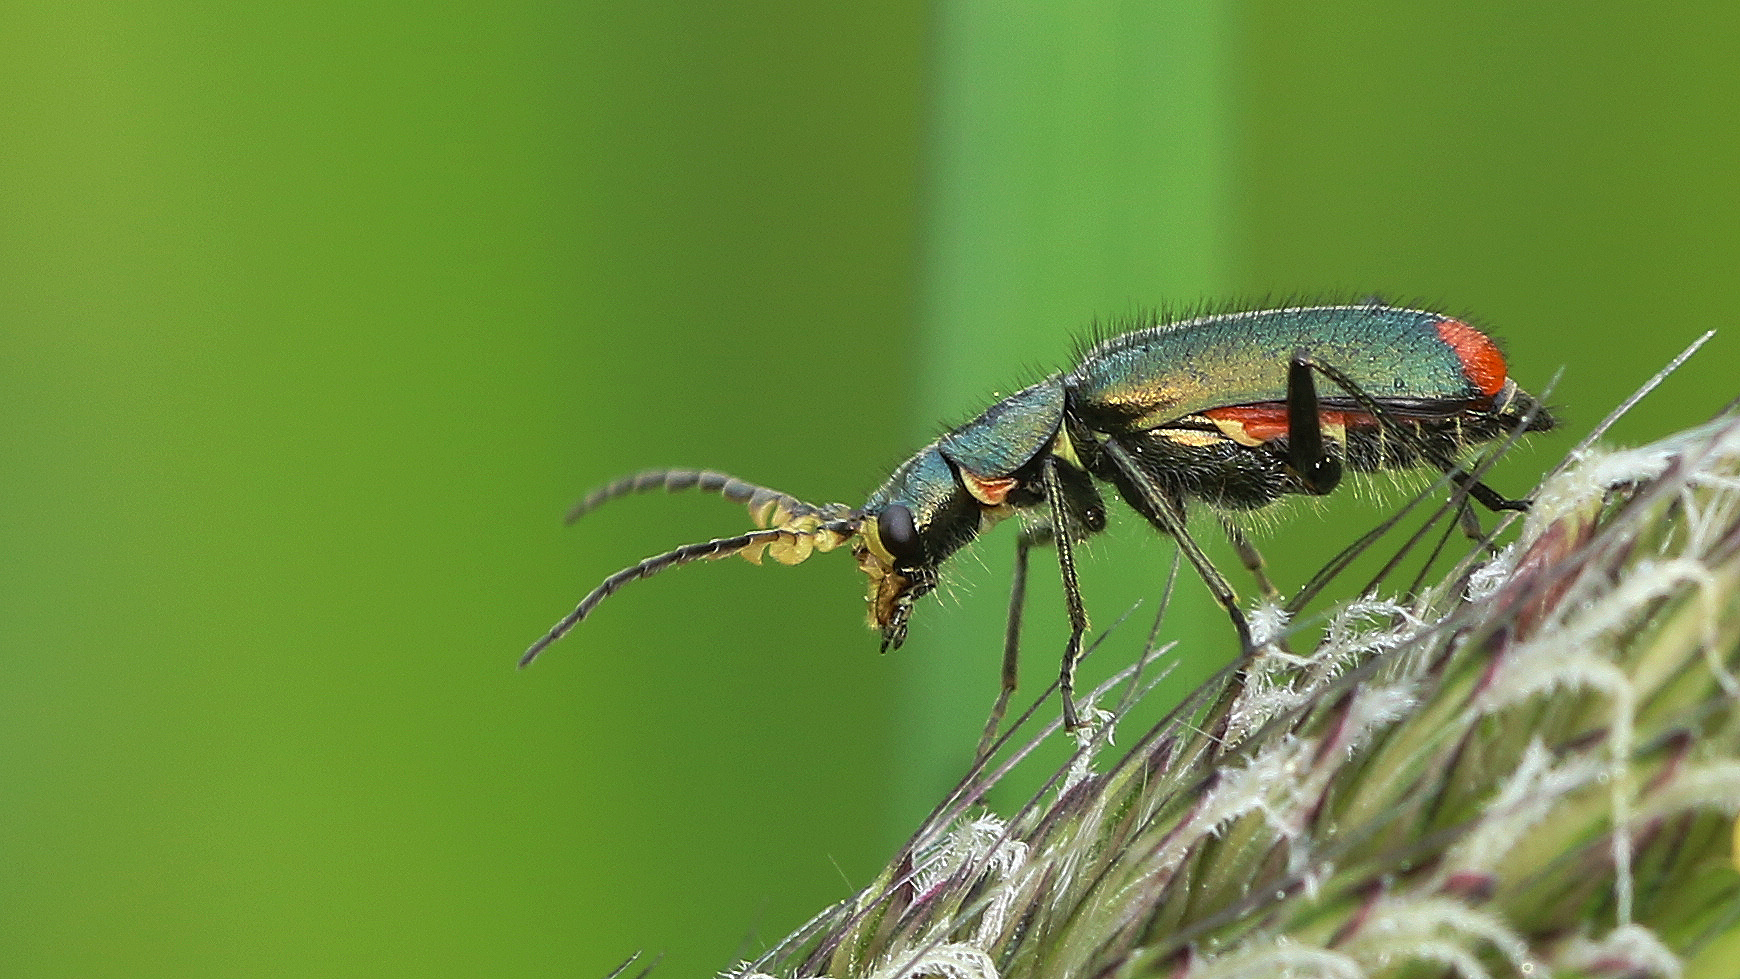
(1416, 444)
(1308, 456)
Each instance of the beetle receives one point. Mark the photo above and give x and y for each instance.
(1221, 409)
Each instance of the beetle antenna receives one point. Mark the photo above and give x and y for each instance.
(761, 501)
(705, 551)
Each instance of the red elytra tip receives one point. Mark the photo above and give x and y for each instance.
(1481, 361)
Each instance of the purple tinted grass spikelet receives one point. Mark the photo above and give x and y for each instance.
(1530, 769)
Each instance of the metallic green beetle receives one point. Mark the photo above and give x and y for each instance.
(1222, 409)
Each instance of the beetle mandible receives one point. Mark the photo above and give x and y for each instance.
(1222, 409)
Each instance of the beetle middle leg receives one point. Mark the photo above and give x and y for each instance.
(1250, 557)
(1166, 512)
(1307, 461)
(1012, 634)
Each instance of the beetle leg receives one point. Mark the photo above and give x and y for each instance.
(1078, 620)
(1469, 523)
(1011, 636)
(1250, 557)
(1482, 493)
(1486, 495)
(1165, 513)
(1317, 470)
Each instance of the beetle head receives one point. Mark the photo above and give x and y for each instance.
(900, 536)
(906, 530)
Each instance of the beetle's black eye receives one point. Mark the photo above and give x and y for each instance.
(894, 528)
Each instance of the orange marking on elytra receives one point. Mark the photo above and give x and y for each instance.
(991, 492)
(1262, 422)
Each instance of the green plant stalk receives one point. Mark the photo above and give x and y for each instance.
(1531, 769)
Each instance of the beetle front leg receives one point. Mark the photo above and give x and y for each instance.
(1078, 619)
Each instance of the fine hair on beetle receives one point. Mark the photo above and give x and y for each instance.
(1230, 411)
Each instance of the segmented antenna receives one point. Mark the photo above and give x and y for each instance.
(791, 531)
(761, 501)
(706, 551)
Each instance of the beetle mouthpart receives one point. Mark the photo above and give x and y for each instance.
(894, 633)
(886, 586)
(891, 594)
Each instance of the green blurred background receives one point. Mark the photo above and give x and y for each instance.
(313, 320)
